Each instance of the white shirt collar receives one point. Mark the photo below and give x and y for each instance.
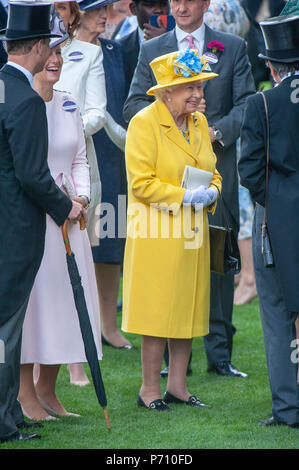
(140, 35)
(198, 34)
(23, 70)
(290, 74)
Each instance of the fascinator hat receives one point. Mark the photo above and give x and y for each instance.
(28, 20)
(89, 5)
(57, 27)
(178, 68)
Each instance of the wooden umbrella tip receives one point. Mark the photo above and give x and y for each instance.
(107, 420)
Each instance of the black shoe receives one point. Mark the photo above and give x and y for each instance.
(26, 425)
(192, 400)
(226, 368)
(164, 372)
(274, 422)
(17, 436)
(126, 346)
(158, 404)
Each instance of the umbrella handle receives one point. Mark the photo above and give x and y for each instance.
(65, 235)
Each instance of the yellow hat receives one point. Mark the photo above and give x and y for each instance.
(179, 67)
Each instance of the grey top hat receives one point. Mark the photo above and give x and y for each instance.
(281, 36)
(27, 20)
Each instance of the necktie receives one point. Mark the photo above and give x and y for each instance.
(190, 40)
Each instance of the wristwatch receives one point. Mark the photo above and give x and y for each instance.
(217, 133)
(86, 201)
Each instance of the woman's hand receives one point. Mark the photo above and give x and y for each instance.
(82, 201)
(199, 195)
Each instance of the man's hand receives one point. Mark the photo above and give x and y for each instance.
(76, 212)
(202, 106)
(212, 135)
(151, 31)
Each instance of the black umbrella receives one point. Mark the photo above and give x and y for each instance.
(85, 326)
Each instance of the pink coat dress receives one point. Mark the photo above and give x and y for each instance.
(51, 332)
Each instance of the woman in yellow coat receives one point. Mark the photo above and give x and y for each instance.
(167, 258)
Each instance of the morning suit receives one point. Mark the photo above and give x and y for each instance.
(277, 287)
(131, 47)
(225, 99)
(27, 193)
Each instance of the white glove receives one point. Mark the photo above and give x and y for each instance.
(115, 132)
(212, 194)
(199, 195)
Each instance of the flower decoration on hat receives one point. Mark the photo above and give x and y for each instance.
(188, 63)
(216, 46)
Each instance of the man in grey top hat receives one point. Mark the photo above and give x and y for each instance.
(277, 286)
(27, 193)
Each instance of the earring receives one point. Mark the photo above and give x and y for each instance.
(168, 99)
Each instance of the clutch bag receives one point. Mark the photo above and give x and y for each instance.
(195, 177)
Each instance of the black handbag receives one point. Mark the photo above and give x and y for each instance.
(266, 244)
(225, 255)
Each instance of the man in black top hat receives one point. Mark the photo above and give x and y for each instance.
(277, 286)
(27, 192)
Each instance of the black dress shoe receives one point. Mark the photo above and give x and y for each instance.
(126, 346)
(192, 400)
(164, 372)
(226, 368)
(274, 422)
(26, 425)
(17, 436)
(158, 405)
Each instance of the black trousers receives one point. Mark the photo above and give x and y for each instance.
(11, 338)
(279, 333)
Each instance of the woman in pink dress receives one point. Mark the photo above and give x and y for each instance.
(51, 333)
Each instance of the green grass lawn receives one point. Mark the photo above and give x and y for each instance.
(237, 404)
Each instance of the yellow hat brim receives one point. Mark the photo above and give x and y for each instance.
(203, 76)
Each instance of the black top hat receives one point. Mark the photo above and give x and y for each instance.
(27, 20)
(281, 36)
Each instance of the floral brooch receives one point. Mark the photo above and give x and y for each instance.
(188, 63)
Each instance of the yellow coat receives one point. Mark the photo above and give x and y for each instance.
(166, 278)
